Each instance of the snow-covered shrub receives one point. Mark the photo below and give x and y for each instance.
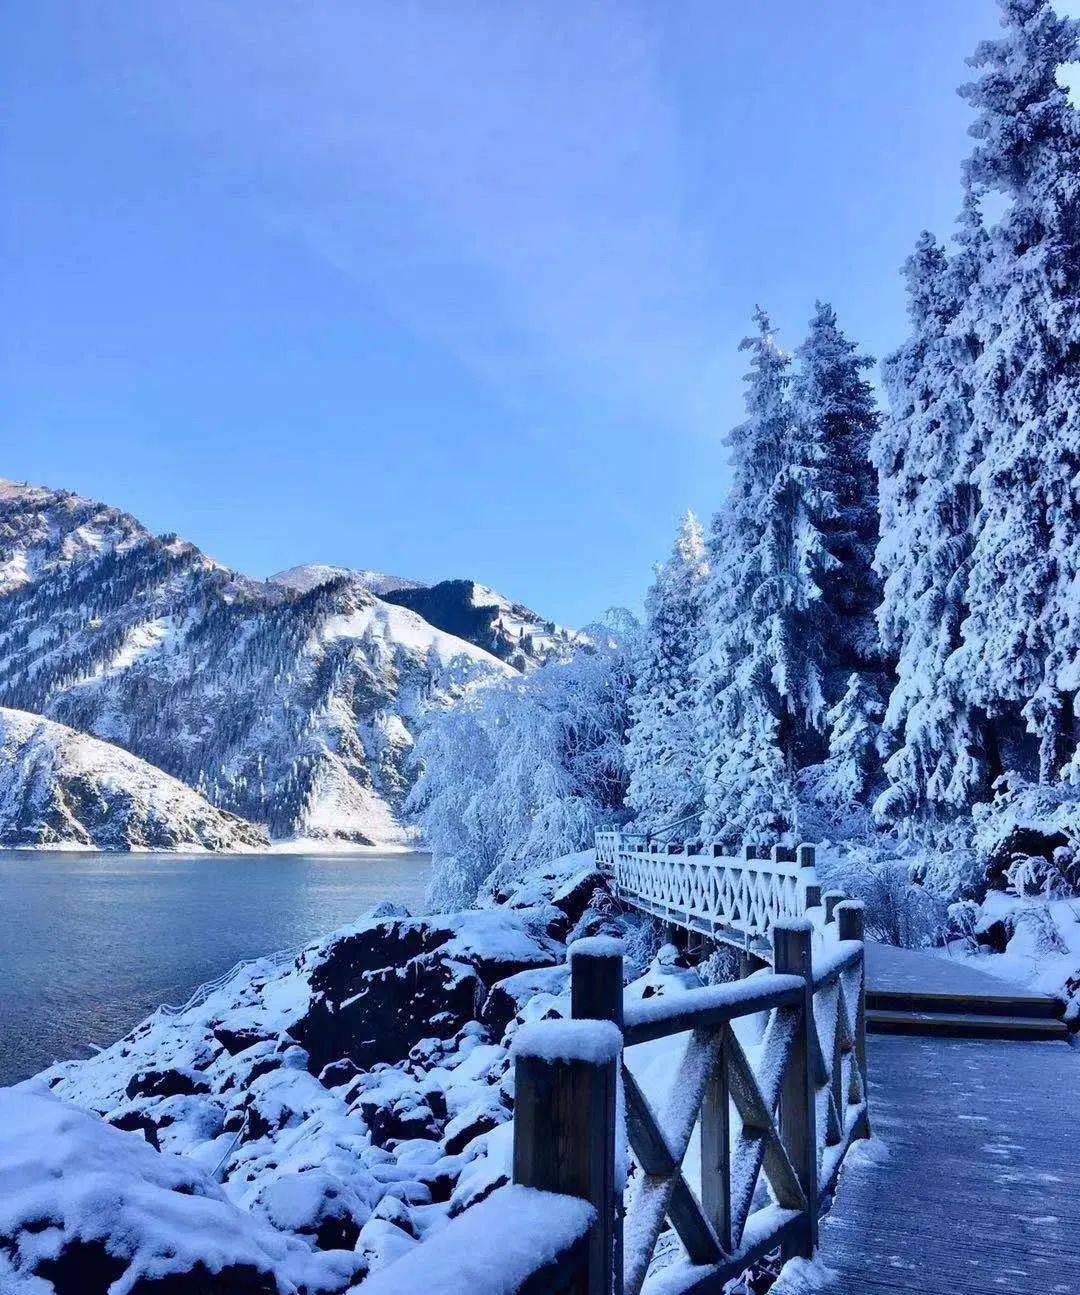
(527, 768)
(1028, 838)
(899, 910)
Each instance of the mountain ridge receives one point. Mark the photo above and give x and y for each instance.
(294, 708)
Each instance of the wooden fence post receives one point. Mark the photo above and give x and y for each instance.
(564, 1126)
(832, 898)
(716, 1153)
(596, 994)
(596, 980)
(798, 1120)
(851, 925)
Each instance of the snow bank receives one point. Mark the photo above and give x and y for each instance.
(492, 1249)
(81, 1195)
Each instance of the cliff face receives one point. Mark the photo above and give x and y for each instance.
(294, 708)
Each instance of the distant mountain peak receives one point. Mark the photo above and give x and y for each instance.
(310, 575)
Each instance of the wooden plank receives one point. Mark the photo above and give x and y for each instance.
(977, 1193)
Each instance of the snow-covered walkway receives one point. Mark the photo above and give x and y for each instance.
(931, 972)
(975, 1189)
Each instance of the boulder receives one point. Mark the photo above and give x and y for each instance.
(379, 990)
(507, 997)
(480, 1116)
(170, 1081)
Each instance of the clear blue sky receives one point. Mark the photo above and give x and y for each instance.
(445, 288)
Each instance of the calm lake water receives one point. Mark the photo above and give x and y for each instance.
(92, 943)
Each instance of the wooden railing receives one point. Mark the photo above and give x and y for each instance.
(732, 898)
(772, 1077)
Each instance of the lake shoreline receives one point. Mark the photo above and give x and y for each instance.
(94, 941)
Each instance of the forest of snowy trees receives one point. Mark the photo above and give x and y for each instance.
(878, 638)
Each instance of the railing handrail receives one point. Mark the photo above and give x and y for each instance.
(565, 1118)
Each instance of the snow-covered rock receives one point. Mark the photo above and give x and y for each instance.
(62, 788)
(295, 707)
(334, 1112)
(85, 1205)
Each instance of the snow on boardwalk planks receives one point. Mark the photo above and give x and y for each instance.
(916, 970)
(978, 1189)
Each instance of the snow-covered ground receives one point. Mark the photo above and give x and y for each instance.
(319, 1117)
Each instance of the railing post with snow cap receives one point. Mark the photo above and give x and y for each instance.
(564, 1126)
(798, 1121)
(596, 994)
(851, 925)
(830, 899)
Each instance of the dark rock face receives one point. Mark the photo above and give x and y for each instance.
(1022, 842)
(237, 1279)
(168, 1082)
(379, 991)
(82, 1268)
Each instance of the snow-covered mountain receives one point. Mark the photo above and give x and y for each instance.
(468, 610)
(59, 787)
(472, 611)
(294, 708)
(310, 575)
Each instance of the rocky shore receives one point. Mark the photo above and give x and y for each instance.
(302, 1126)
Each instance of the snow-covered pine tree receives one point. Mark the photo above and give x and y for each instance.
(664, 753)
(750, 654)
(926, 453)
(837, 525)
(853, 766)
(790, 603)
(1021, 643)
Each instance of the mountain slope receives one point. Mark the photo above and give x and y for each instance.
(295, 709)
(310, 575)
(508, 630)
(468, 610)
(59, 787)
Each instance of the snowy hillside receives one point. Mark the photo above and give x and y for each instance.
(291, 708)
(59, 787)
(471, 611)
(487, 618)
(310, 575)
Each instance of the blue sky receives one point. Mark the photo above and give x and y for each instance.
(445, 288)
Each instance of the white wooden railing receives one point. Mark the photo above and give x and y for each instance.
(700, 888)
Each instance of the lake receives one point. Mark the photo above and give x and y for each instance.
(92, 943)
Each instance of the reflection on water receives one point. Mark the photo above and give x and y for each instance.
(91, 943)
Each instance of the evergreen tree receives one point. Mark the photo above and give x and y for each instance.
(1021, 644)
(751, 656)
(664, 750)
(835, 419)
(854, 762)
(790, 602)
(926, 453)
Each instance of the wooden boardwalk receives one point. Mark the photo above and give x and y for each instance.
(978, 1187)
(899, 970)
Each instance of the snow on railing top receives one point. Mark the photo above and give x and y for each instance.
(699, 887)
